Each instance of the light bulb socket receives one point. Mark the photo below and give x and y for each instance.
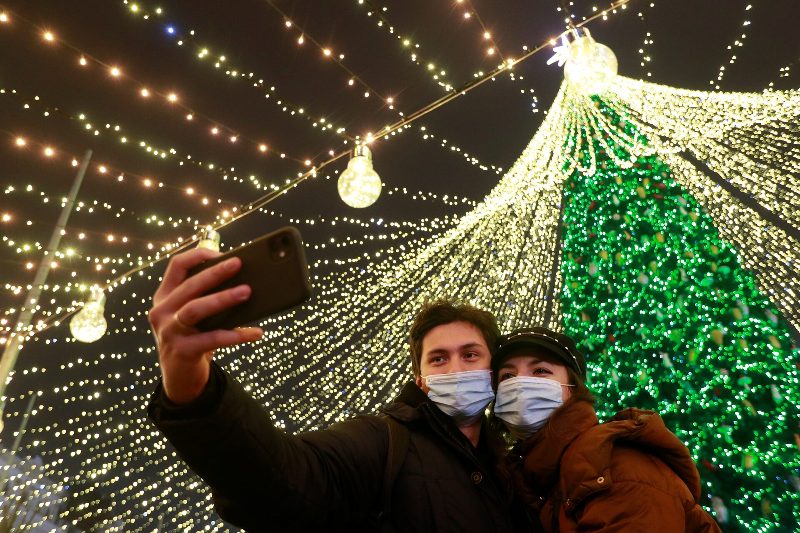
(362, 150)
(211, 240)
(96, 294)
(577, 33)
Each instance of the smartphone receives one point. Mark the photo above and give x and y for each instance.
(275, 268)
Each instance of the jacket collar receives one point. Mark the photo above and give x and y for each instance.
(575, 427)
(542, 451)
(406, 406)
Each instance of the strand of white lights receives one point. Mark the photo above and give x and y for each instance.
(328, 53)
(301, 111)
(88, 127)
(783, 73)
(569, 17)
(136, 265)
(437, 74)
(397, 230)
(646, 50)
(748, 139)
(151, 183)
(448, 146)
(242, 74)
(469, 13)
(766, 250)
(737, 43)
(215, 128)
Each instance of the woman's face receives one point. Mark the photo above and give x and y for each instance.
(536, 364)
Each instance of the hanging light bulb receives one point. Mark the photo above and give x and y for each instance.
(89, 324)
(210, 240)
(590, 66)
(359, 185)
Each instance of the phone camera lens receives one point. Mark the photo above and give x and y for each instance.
(280, 247)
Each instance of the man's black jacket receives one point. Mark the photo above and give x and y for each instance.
(265, 480)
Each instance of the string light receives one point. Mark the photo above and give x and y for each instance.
(116, 72)
(737, 43)
(326, 126)
(647, 43)
(326, 51)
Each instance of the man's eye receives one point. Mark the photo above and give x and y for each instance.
(471, 355)
(438, 360)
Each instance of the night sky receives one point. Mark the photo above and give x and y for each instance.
(691, 40)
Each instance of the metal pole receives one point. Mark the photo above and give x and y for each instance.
(24, 425)
(11, 456)
(18, 333)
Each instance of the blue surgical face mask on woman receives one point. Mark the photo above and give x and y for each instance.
(461, 395)
(525, 403)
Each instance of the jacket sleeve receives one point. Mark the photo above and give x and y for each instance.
(262, 478)
(632, 507)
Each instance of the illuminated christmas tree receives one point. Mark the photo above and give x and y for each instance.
(673, 322)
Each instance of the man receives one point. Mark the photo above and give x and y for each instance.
(443, 479)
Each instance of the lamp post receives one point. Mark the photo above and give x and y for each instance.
(17, 335)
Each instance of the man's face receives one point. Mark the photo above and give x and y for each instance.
(453, 347)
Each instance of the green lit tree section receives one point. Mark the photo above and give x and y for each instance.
(672, 322)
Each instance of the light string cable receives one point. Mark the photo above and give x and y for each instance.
(260, 202)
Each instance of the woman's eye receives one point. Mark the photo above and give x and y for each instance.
(506, 375)
(437, 360)
(541, 370)
(470, 355)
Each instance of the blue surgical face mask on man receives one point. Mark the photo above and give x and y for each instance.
(461, 395)
(525, 403)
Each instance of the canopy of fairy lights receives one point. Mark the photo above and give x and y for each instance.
(735, 153)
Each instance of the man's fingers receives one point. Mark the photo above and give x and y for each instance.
(196, 310)
(210, 341)
(201, 283)
(177, 268)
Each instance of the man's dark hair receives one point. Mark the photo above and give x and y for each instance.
(440, 312)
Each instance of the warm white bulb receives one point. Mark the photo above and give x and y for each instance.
(89, 324)
(591, 66)
(359, 185)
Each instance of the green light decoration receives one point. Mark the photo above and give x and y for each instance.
(658, 225)
(669, 317)
(672, 322)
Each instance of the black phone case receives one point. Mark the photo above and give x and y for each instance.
(275, 268)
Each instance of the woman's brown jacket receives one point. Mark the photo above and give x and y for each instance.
(629, 474)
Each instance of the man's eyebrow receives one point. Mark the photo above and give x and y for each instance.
(471, 345)
(462, 347)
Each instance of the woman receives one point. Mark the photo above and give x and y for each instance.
(628, 474)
